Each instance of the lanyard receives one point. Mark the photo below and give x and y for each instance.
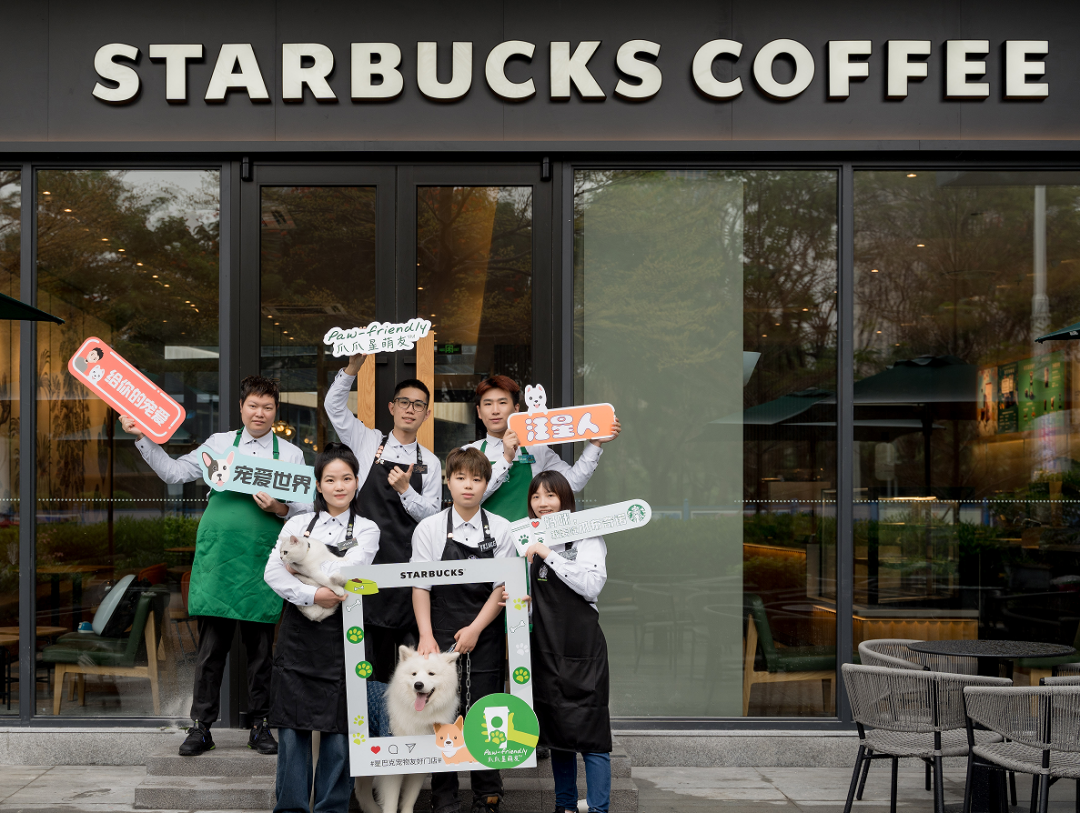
(420, 467)
(349, 541)
(489, 541)
(239, 432)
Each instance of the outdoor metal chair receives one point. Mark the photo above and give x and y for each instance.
(905, 713)
(1041, 730)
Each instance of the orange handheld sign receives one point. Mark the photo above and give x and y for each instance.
(115, 381)
(567, 425)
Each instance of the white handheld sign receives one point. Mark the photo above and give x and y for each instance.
(500, 731)
(571, 526)
(378, 337)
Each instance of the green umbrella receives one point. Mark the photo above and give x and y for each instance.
(1066, 333)
(14, 310)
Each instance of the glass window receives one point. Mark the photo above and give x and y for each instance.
(10, 413)
(474, 282)
(705, 312)
(131, 257)
(965, 501)
(317, 263)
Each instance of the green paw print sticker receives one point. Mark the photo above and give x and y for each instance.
(523, 540)
(355, 635)
(363, 669)
(521, 675)
(519, 604)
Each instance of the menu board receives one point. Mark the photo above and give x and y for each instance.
(1007, 402)
(1026, 390)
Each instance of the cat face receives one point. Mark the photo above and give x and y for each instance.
(294, 550)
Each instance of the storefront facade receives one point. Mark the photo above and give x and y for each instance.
(804, 251)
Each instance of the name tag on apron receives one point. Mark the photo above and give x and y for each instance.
(484, 547)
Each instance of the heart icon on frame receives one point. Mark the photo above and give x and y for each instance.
(375, 749)
(536, 523)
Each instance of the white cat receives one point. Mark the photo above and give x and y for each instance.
(306, 555)
(536, 398)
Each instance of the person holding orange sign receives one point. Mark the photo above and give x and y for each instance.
(514, 466)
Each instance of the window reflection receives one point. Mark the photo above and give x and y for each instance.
(705, 311)
(474, 282)
(131, 257)
(10, 414)
(964, 525)
(317, 264)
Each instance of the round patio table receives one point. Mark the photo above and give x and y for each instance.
(990, 653)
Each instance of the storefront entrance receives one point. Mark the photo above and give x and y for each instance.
(468, 247)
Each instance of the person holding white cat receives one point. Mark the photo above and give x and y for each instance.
(512, 465)
(309, 664)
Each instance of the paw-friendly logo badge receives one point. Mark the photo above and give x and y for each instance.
(355, 635)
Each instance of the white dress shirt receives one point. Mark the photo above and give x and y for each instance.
(583, 568)
(364, 443)
(189, 467)
(545, 460)
(429, 538)
(330, 531)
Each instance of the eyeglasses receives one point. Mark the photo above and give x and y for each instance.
(411, 406)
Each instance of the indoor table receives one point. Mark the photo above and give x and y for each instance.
(989, 655)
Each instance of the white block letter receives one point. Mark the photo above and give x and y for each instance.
(702, 69)
(626, 61)
(365, 67)
(1018, 69)
(495, 70)
(427, 71)
(958, 68)
(249, 78)
(176, 57)
(294, 75)
(127, 81)
(900, 69)
(842, 70)
(567, 69)
(804, 68)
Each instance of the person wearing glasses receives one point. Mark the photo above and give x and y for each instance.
(401, 484)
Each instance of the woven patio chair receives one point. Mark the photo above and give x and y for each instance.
(905, 713)
(1041, 730)
(1067, 670)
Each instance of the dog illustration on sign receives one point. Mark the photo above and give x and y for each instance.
(535, 398)
(450, 740)
(217, 470)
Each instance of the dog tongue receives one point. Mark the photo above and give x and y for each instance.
(421, 701)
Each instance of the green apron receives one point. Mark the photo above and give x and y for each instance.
(511, 500)
(231, 548)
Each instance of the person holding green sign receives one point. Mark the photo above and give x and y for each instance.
(513, 466)
(236, 533)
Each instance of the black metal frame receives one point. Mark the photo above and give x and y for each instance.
(397, 168)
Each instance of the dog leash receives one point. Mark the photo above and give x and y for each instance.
(468, 676)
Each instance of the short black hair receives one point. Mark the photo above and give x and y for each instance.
(257, 385)
(414, 383)
(98, 350)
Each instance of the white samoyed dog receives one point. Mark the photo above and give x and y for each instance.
(305, 556)
(422, 694)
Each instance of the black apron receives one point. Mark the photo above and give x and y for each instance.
(570, 666)
(307, 690)
(390, 609)
(455, 606)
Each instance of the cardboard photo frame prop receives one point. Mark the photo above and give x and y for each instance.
(121, 385)
(573, 526)
(489, 728)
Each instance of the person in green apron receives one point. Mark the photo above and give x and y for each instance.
(236, 534)
(512, 465)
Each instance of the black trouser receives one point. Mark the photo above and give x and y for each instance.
(215, 641)
(444, 786)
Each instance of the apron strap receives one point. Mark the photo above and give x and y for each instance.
(382, 448)
(273, 437)
(336, 550)
(488, 538)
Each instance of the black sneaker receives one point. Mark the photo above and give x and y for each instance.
(198, 741)
(262, 740)
(486, 804)
(543, 753)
